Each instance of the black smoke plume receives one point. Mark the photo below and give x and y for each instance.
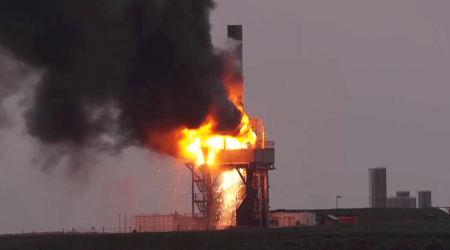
(131, 71)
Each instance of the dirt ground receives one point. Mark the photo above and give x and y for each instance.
(418, 234)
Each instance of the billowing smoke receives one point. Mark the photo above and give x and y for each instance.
(12, 73)
(118, 73)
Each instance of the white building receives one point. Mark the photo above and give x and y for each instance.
(290, 219)
(401, 202)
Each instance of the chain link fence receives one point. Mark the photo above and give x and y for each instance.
(130, 229)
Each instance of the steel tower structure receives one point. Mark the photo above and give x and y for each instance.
(252, 164)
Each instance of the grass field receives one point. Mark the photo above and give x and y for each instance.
(393, 234)
(370, 216)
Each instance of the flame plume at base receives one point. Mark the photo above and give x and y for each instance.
(231, 191)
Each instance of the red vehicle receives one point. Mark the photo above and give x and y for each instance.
(350, 220)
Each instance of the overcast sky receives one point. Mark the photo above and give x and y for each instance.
(342, 86)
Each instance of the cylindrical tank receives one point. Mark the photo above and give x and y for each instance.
(307, 219)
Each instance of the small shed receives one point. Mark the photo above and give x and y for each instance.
(327, 220)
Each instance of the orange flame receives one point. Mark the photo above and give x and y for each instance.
(201, 146)
(198, 142)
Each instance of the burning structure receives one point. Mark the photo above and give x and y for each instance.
(230, 174)
(124, 74)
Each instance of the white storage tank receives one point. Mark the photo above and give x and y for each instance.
(294, 218)
(307, 219)
(287, 219)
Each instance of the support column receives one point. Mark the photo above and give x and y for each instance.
(192, 189)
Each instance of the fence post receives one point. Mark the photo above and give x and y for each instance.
(178, 227)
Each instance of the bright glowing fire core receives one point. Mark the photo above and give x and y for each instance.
(202, 145)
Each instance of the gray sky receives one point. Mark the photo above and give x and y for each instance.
(342, 86)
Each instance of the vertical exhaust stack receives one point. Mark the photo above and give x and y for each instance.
(235, 32)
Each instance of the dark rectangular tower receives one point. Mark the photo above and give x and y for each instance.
(424, 199)
(377, 187)
(235, 33)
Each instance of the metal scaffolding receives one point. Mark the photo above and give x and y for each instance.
(254, 209)
(255, 161)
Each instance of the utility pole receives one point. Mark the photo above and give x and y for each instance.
(337, 201)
